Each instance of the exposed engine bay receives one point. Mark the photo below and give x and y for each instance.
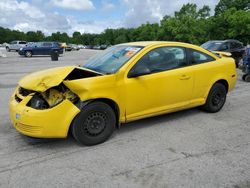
(49, 98)
(46, 95)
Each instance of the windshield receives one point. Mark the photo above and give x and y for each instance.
(211, 45)
(112, 59)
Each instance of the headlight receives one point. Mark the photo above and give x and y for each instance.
(21, 49)
(52, 97)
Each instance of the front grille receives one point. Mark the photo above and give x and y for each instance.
(24, 92)
(28, 128)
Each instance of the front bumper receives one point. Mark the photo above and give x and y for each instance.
(20, 52)
(49, 123)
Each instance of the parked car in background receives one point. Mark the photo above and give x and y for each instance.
(235, 47)
(80, 46)
(75, 47)
(40, 48)
(89, 47)
(125, 83)
(68, 48)
(103, 46)
(15, 45)
(97, 47)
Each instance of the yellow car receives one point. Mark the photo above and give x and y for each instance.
(124, 83)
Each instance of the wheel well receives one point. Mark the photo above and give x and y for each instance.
(223, 82)
(113, 105)
(109, 102)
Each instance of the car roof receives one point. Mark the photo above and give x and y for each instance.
(228, 40)
(150, 43)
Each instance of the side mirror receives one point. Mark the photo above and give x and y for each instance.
(138, 71)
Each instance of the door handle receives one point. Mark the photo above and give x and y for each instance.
(184, 77)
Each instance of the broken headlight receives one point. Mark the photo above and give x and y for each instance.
(52, 97)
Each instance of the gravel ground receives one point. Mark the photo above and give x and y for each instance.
(184, 149)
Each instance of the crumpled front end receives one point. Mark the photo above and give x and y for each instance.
(42, 106)
(42, 115)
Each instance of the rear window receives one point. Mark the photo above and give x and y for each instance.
(199, 57)
(212, 45)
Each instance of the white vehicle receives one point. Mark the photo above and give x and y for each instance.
(15, 45)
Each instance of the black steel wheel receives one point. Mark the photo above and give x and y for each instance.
(216, 98)
(94, 124)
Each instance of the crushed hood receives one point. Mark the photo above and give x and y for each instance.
(43, 80)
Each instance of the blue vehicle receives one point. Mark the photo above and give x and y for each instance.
(41, 48)
(246, 65)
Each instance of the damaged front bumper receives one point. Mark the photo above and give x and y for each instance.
(46, 123)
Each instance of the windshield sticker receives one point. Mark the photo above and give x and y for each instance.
(132, 49)
(130, 53)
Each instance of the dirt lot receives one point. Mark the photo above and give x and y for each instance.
(185, 149)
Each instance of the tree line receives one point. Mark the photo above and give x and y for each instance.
(231, 20)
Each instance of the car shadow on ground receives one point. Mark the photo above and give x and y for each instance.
(128, 128)
(160, 120)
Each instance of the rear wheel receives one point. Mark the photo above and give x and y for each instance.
(247, 78)
(94, 124)
(28, 54)
(244, 77)
(216, 98)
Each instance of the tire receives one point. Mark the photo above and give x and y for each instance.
(7, 49)
(247, 78)
(94, 124)
(244, 77)
(28, 54)
(216, 98)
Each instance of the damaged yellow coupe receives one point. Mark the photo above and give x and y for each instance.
(124, 83)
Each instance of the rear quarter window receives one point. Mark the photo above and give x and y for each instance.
(197, 57)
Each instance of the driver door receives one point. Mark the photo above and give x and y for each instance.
(167, 87)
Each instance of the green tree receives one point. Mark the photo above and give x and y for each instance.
(224, 5)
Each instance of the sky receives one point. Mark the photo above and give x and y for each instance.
(86, 16)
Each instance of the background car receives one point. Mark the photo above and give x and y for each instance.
(68, 48)
(103, 46)
(89, 47)
(40, 48)
(15, 45)
(71, 47)
(235, 47)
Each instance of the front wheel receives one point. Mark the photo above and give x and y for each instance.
(7, 49)
(94, 124)
(28, 54)
(216, 98)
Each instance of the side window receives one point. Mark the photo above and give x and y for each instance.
(197, 57)
(162, 59)
(47, 44)
(238, 45)
(224, 47)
